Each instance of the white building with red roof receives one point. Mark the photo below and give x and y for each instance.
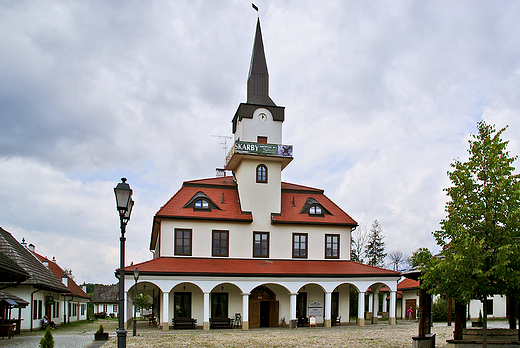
(73, 302)
(251, 247)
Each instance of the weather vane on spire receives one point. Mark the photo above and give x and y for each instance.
(255, 7)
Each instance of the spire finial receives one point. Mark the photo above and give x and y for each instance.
(258, 79)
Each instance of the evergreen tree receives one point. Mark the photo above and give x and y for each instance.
(375, 248)
(47, 340)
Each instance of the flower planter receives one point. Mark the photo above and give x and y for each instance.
(101, 336)
(477, 324)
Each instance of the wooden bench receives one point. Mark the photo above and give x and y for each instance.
(184, 323)
(225, 323)
(7, 330)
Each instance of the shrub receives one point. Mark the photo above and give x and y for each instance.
(440, 310)
(47, 340)
(101, 329)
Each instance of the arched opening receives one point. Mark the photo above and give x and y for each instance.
(263, 307)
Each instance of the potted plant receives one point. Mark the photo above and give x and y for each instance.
(479, 322)
(101, 334)
(283, 322)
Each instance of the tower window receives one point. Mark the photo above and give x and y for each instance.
(261, 173)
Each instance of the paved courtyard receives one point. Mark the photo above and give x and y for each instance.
(380, 335)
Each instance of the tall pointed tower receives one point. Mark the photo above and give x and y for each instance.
(258, 156)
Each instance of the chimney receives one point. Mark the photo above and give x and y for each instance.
(46, 262)
(221, 172)
(23, 243)
(32, 247)
(54, 259)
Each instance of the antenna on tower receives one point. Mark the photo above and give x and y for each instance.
(223, 141)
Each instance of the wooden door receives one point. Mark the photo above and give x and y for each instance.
(273, 314)
(254, 313)
(408, 304)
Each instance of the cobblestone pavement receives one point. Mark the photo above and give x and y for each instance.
(79, 335)
(351, 336)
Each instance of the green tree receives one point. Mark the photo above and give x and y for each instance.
(479, 237)
(375, 247)
(144, 301)
(47, 340)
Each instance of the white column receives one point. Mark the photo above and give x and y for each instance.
(328, 309)
(375, 307)
(385, 302)
(361, 309)
(371, 302)
(205, 323)
(292, 308)
(347, 306)
(123, 311)
(165, 311)
(245, 311)
(393, 301)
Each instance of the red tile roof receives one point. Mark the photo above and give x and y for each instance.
(74, 288)
(258, 267)
(293, 201)
(222, 191)
(408, 284)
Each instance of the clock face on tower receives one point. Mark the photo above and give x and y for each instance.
(262, 117)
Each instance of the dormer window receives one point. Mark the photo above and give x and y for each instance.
(314, 208)
(200, 201)
(201, 204)
(261, 174)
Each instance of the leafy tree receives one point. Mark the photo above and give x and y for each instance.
(375, 247)
(479, 237)
(144, 301)
(359, 239)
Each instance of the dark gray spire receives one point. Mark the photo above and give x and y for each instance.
(258, 79)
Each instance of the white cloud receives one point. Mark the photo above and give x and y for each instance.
(380, 98)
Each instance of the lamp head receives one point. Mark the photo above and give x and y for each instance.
(123, 194)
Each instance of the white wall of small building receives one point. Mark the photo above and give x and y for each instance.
(100, 307)
(24, 292)
(499, 307)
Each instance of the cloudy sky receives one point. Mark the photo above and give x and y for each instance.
(380, 98)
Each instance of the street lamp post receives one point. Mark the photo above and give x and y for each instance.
(124, 204)
(136, 278)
